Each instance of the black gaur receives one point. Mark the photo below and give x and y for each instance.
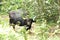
(16, 17)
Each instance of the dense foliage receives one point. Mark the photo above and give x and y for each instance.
(47, 13)
(42, 9)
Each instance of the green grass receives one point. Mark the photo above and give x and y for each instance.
(39, 32)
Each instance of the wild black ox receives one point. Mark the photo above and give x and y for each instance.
(16, 17)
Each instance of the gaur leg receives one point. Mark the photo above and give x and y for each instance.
(11, 22)
(28, 27)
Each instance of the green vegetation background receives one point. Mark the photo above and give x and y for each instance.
(47, 13)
